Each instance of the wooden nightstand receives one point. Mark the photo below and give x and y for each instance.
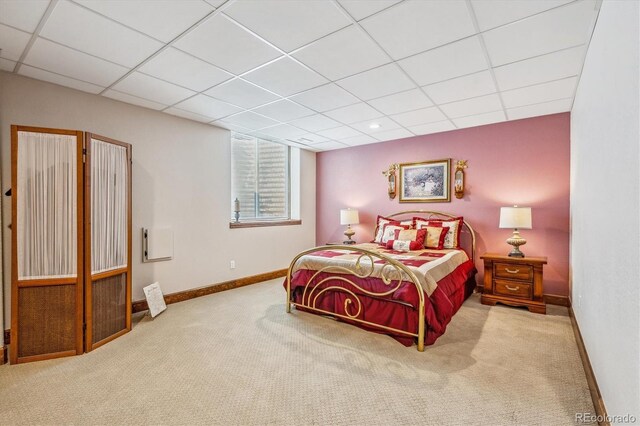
(514, 281)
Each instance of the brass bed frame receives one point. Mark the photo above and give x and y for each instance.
(391, 271)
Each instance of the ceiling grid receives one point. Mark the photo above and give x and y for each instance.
(321, 75)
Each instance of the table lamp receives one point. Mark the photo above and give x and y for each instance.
(517, 218)
(349, 217)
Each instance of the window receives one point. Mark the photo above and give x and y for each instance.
(260, 179)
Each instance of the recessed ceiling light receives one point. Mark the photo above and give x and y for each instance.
(374, 126)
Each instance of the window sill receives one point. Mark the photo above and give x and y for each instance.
(234, 225)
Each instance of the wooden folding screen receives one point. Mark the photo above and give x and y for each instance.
(46, 241)
(107, 240)
(63, 300)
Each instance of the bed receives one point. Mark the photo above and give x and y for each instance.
(409, 295)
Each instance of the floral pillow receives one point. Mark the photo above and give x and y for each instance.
(381, 221)
(452, 239)
(389, 232)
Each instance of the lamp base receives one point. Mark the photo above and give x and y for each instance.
(516, 253)
(516, 241)
(349, 233)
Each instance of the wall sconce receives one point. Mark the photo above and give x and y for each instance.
(390, 174)
(349, 217)
(458, 179)
(517, 218)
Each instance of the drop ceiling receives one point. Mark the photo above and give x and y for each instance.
(317, 74)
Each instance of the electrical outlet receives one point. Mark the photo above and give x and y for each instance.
(232, 264)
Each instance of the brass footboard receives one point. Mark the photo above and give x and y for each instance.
(390, 271)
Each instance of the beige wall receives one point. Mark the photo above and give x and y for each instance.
(605, 206)
(181, 179)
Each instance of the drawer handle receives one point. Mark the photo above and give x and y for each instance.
(512, 288)
(512, 271)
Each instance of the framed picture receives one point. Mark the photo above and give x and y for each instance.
(425, 182)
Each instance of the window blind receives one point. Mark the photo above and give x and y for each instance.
(260, 178)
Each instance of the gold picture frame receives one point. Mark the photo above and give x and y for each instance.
(425, 182)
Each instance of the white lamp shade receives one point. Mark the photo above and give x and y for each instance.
(349, 217)
(515, 217)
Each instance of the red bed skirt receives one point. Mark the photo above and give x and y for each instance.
(398, 310)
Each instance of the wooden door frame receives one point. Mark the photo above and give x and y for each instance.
(88, 305)
(15, 285)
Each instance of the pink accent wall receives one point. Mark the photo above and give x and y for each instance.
(523, 162)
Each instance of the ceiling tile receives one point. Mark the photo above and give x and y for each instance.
(353, 113)
(12, 42)
(421, 116)
(328, 146)
(473, 106)
(453, 60)
(207, 107)
(553, 66)
(285, 77)
(39, 74)
(283, 131)
(377, 82)
(325, 97)
(547, 32)
(310, 138)
(283, 110)
(7, 65)
(342, 54)
(539, 93)
(184, 70)
(288, 24)
(469, 86)
(146, 87)
(359, 140)
(401, 102)
(493, 13)
(161, 19)
(113, 94)
(81, 29)
(24, 15)
(360, 9)
(230, 126)
(480, 119)
(53, 57)
(384, 124)
(394, 134)
(187, 114)
(315, 123)
(340, 133)
(415, 26)
(546, 108)
(241, 93)
(219, 41)
(251, 120)
(437, 127)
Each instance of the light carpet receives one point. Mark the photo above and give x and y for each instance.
(236, 357)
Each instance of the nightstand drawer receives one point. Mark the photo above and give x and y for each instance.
(514, 271)
(512, 288)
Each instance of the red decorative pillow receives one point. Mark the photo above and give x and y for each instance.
(408, 239)
(452, 239)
